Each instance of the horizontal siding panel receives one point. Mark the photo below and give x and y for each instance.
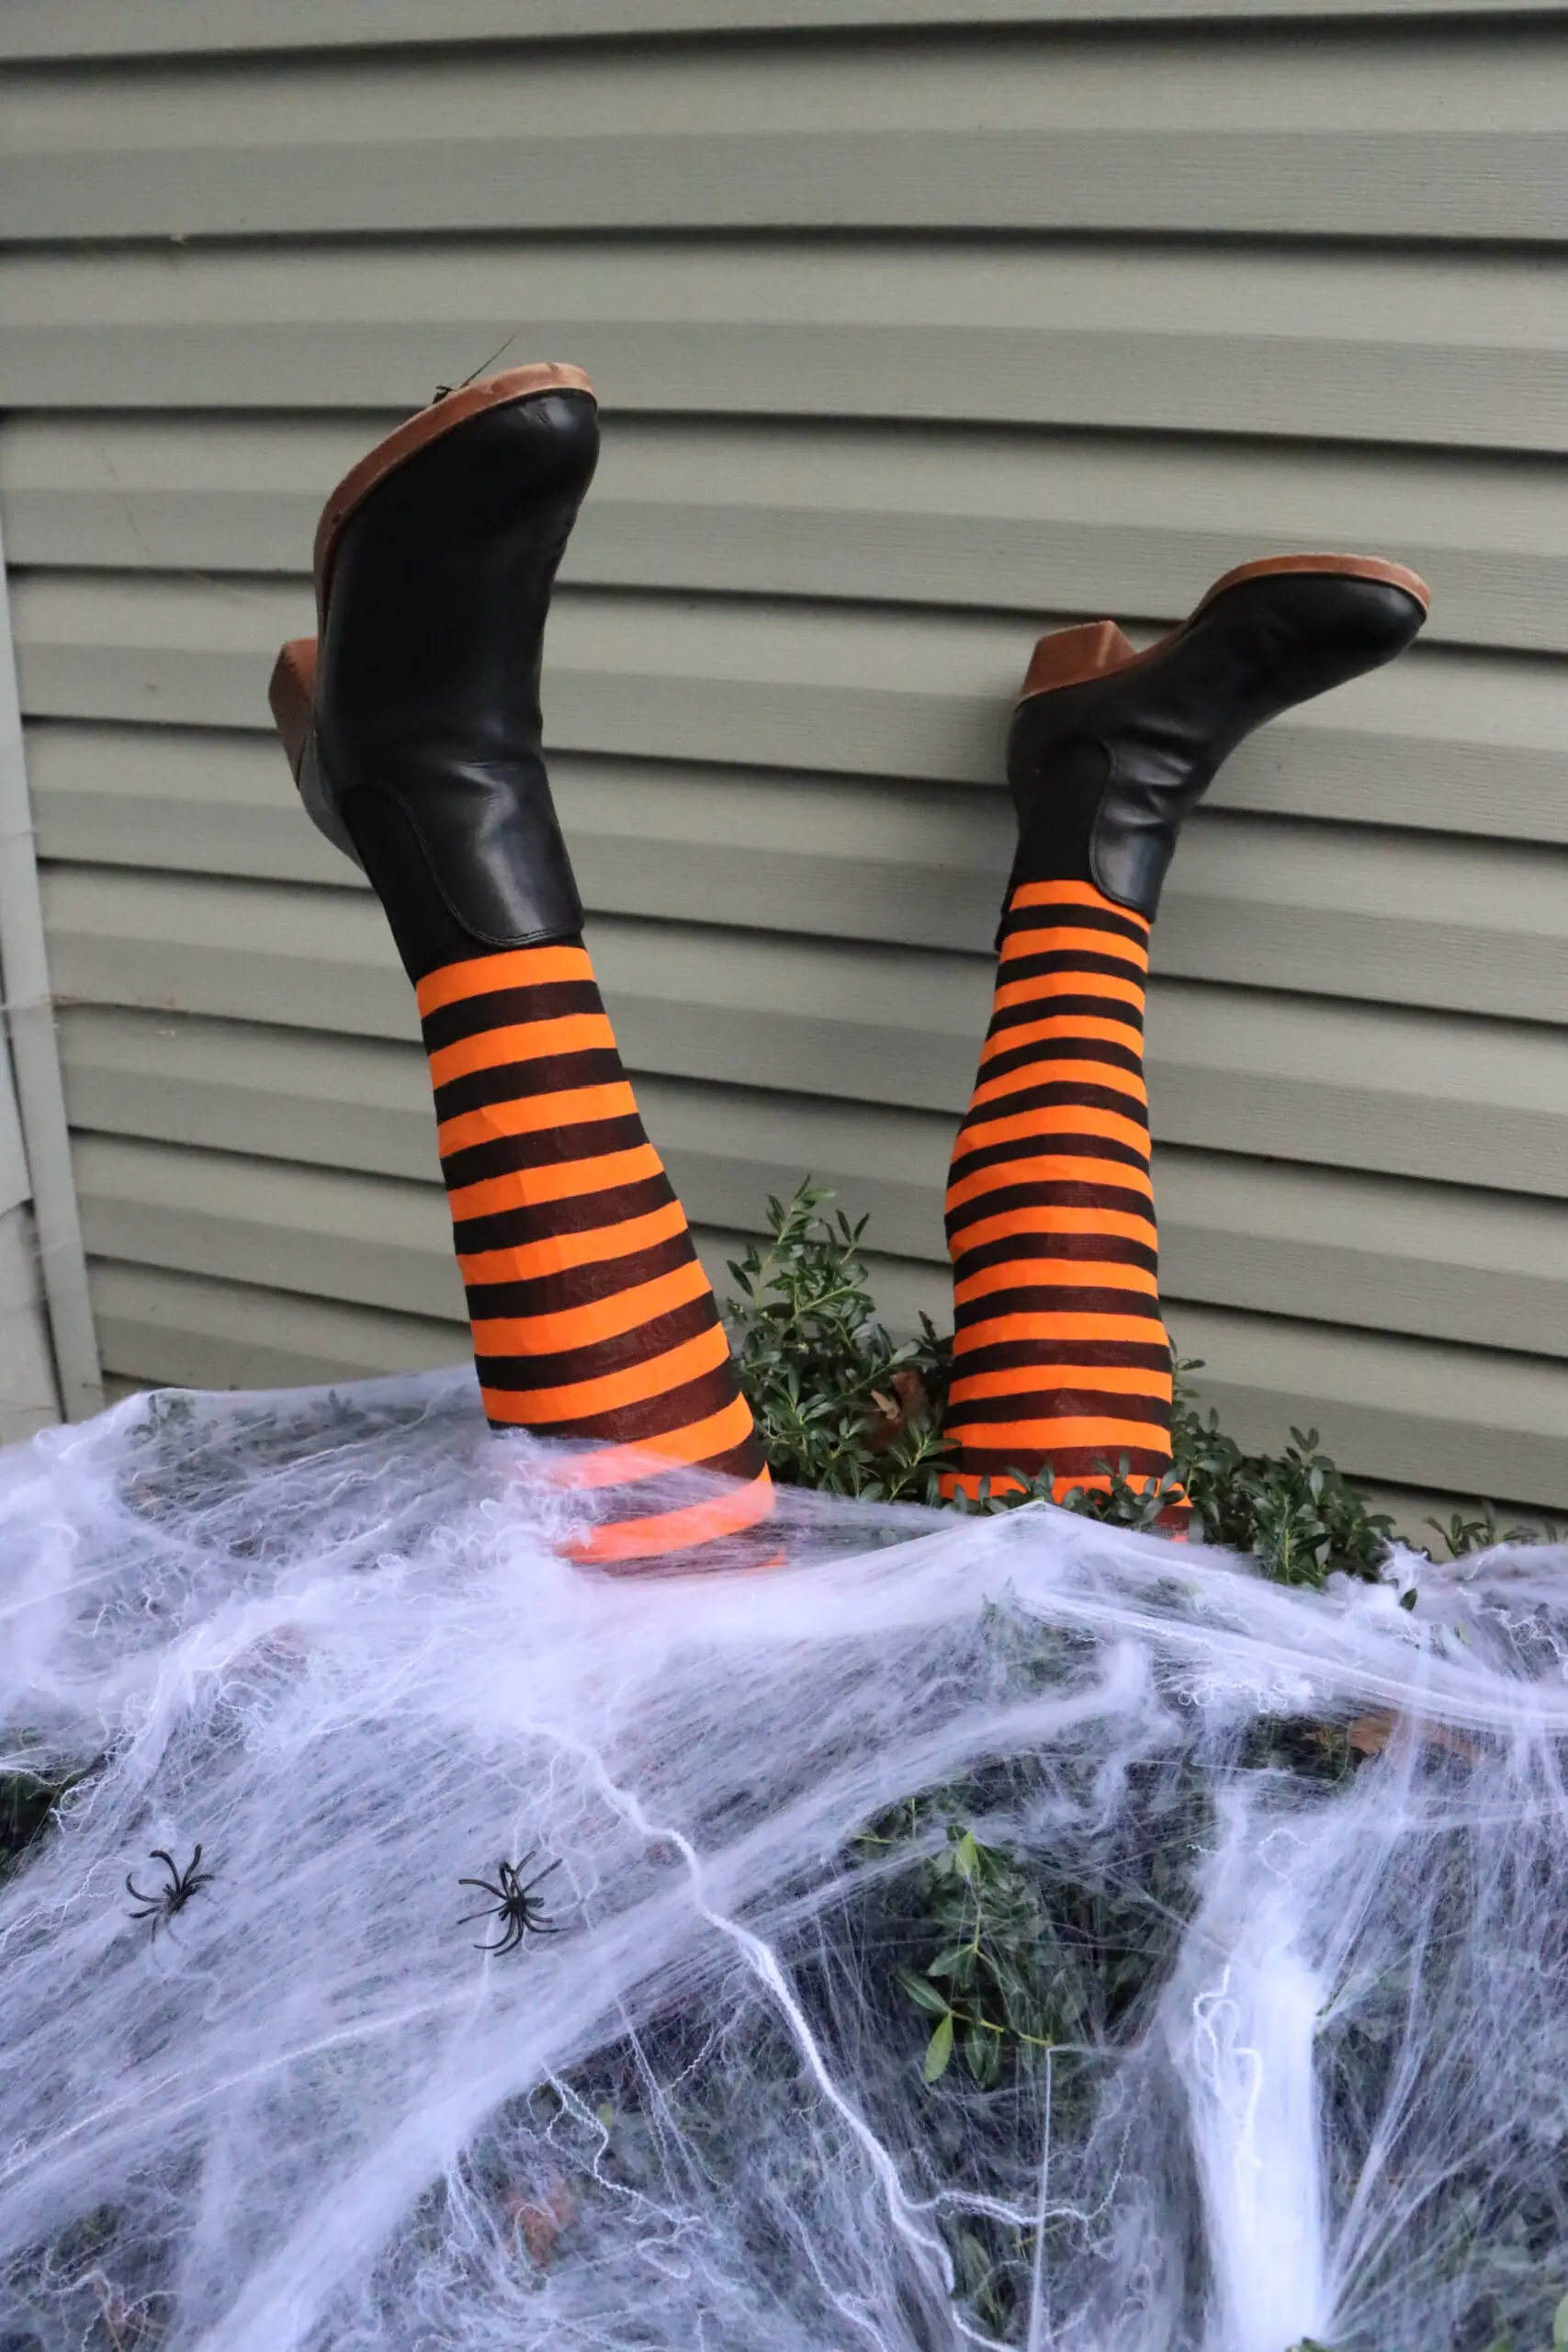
(1080, 523)
(104, 29)
(1262, 902)
(1322, 1247)
(1482, 1102)
(1420, 348)
(39, 29)
(1221, 81)
(1402, 1410)
(939, 174)
(1440, 739)
(188, 1331)
(1469, 1101)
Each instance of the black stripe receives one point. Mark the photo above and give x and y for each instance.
(577, 1285)
(512, 1229)
(1069, 917)
(1068, 959)
(1066, 1461)
(1096, 1249)
(1080, 1094)
(1055, 1298)
(1066, 1194)
(1031, 1405)
(1046, 1146)
(475, 1016)
(695, 1400)
(510, 1082)
(1065, 1008)
(642, 1345)
(1022, 1250)
(1038, 1355)
(542, 1148)
(1060, 1049)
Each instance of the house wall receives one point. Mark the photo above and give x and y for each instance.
(917, 329)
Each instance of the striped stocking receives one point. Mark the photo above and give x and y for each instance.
(1060, 1355)
(592, 1315)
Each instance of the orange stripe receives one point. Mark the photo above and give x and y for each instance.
(1062, 1024)
(1049, 1073)
(678, 1531)
(1042, 985)
(529, 1262)
(529, 1114)
(577, 1398)
(517, 968)
(1064, 1323)
(1065, 1169)
(1116, 1379)
(527, 1041)
(1066, 941)
(1057, 1274)
(1050, 1167)
(1074, 894)
(619, 1465)
(595, 1319)
(1054, 1119)
(527, 1188)
(1070, 1429)
(953, 1481)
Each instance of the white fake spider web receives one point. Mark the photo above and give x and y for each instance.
(1318, 2083)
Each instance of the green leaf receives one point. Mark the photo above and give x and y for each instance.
(925, 1997)
(951, 1962)
(939, 2051)
(966, 1855)
(1560, 2327)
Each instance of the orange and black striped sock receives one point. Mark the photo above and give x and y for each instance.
(592, 1315)
(1060, 1355)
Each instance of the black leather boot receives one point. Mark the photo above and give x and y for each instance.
(1111, 748)
(413, 723)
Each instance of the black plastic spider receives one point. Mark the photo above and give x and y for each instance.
(519, 1916)
(167, 1902)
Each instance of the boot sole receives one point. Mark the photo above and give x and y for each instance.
(1070, 657)
(291, 691)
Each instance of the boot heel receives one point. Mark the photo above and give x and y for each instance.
(1068, 656)
(291, 694)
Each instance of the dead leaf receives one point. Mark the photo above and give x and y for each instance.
(542, 2218)
(909, 1404)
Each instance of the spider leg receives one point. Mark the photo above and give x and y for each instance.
(544, 1874)
(131, 1888)
(158, 1855)
(469, 1916)
(485, 1885)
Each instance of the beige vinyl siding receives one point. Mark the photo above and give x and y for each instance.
(914, 336)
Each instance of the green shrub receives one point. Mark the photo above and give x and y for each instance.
(840, 1406)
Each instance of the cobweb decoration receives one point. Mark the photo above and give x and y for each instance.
(1262, 2038)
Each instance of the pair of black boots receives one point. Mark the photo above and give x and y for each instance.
(413, 723)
